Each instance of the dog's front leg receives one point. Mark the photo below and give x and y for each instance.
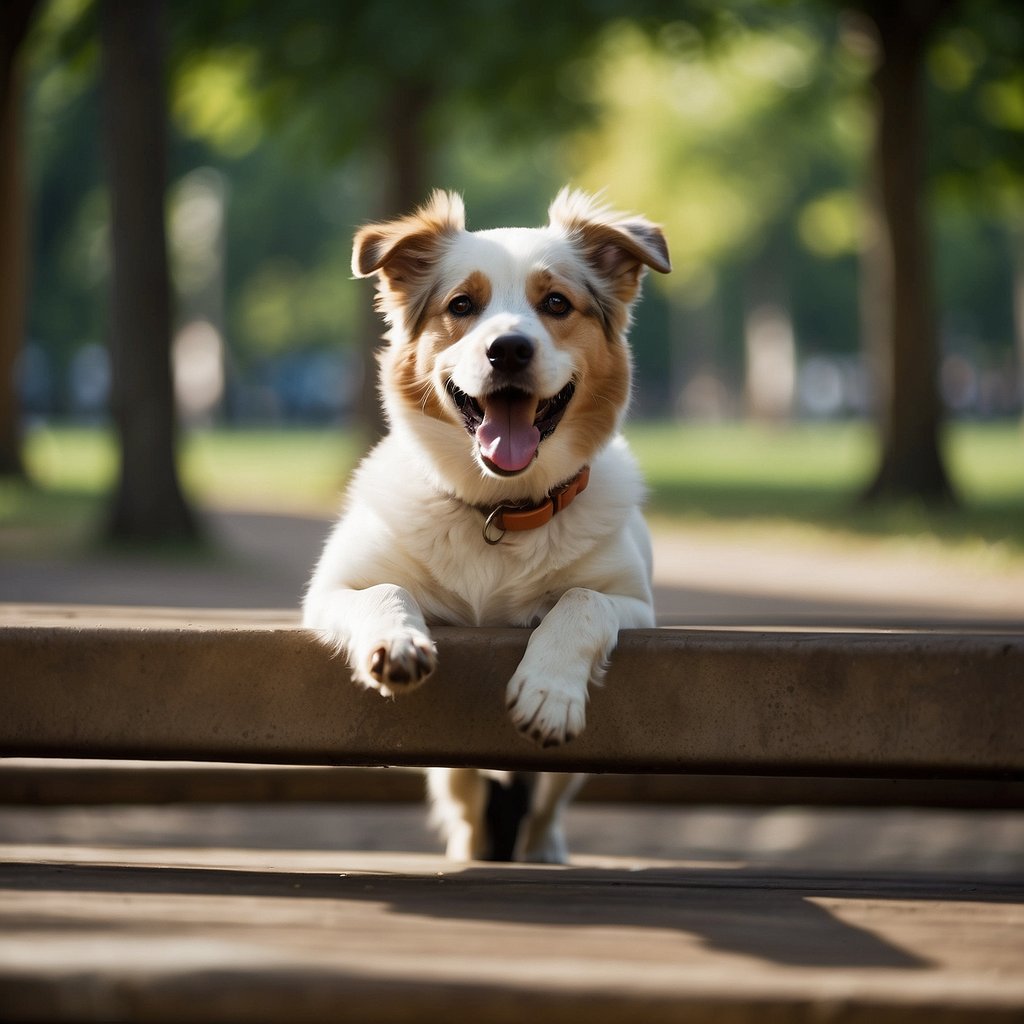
(382, 631)
(547, 696)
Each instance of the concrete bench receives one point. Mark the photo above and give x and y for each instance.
(212, 688)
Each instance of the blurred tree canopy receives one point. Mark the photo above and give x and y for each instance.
(745, 128)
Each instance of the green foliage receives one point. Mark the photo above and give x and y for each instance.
(69, 212)
(977, 156)
(340, 68)
(214, 100)
(722, 143)
(741, 127)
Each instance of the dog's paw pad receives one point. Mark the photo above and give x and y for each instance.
(401, 664)
(550, 716)
(378, 663)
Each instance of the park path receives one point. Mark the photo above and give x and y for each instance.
(702, 578)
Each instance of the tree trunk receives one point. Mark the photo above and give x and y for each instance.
(898, 265)
(14, 24)
(1017, 257)
(148, 503)
(405, 156)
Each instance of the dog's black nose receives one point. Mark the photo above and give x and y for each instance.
(510, 352)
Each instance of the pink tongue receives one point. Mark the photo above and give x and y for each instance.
(507, 436)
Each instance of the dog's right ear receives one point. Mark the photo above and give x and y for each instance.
(394, 247)
(402, 254)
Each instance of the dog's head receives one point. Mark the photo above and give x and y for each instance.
(507, 354)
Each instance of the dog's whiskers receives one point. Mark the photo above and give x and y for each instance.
(420, 391)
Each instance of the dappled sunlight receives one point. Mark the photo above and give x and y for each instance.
(214, 100)
(694, 138)
(674, 897)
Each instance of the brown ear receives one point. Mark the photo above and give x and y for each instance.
(616, 246)
(637, 241)
(403, 253)
(381, 247)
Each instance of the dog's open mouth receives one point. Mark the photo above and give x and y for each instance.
(510, 424)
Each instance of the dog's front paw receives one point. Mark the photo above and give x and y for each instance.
(550, 712)
(398, 664)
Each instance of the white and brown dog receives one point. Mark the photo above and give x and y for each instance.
(505, 382)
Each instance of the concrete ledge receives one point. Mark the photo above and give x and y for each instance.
(911, 705)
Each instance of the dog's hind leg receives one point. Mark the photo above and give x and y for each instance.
(509, 800)
(458, 800)
(543, 839)
(501, 816)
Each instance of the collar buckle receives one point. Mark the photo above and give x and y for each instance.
(531, 517)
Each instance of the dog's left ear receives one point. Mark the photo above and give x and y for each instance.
(618, 247)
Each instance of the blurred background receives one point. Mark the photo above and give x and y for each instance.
(829, 395)
(837, 354)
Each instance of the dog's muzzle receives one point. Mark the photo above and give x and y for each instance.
(509, 424)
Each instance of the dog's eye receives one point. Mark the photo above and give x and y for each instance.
(556, 305)
(461, 305)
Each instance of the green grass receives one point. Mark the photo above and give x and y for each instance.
(799, 481)
(72, 470)
(297, 470)
(805, 480)
(38, 520)
(268, 468)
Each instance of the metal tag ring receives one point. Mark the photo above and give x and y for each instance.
(489, 522)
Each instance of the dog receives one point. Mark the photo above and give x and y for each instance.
(505, 380)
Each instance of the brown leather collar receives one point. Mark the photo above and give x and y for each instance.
(529, 517)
